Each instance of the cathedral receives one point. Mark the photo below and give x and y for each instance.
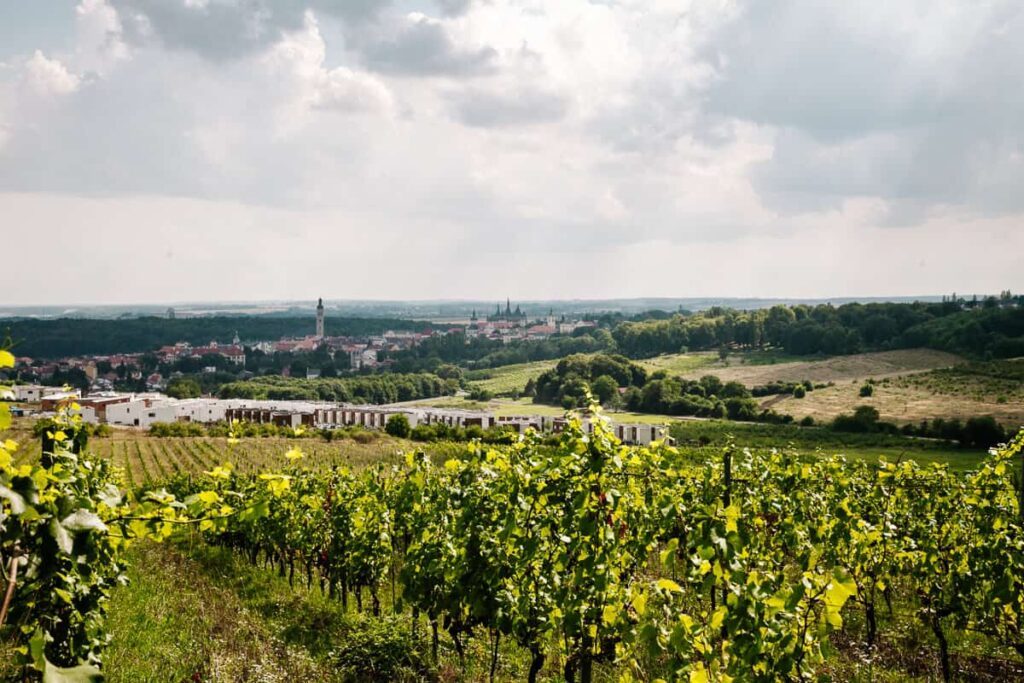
(508, 315)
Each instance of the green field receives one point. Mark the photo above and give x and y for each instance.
(679, 363)
(512, 378)
(506, 380)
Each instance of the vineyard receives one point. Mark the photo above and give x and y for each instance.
(581, 561)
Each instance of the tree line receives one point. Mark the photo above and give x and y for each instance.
(382, 388)
(825, 329)
(618, 382)
(63, 337)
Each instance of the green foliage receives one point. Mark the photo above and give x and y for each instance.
(77, 336)
(398, 425)
(383, 388)
(481, 353)
(380, 650)
(480, 395)
(184, 388)
(867, 390)
(64, 524)
(824, 329)
(761, 554)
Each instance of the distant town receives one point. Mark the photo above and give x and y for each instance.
(140, 371)
(104, 401)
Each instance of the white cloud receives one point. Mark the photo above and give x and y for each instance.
(450, 146)
(44, 76)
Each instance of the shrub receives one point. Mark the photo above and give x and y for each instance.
(380, 649)
(398, 425)
(808, 421)
(867, 390)
(864, 419)
(481, 395)
(799, 391)
(363, 436)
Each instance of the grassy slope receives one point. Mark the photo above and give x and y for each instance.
(754, 369)
(713, 434)
(510, 378)
(201, 611)
(175, 623)
(196, 612)
(900, 402)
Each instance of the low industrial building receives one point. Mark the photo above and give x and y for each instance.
(144, 410)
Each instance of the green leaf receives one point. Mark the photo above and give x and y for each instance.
(669, 585)
(110, 496)
(15, 500)
(717, 619)
(61, 535)
(840, 589)
(83, 673)
(83, 520)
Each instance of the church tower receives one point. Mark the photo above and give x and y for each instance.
(320, 319)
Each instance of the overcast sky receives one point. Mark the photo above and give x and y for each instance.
(175, 150)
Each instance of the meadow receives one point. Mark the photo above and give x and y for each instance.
(511, 379)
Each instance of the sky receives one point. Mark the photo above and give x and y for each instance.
(197, 150)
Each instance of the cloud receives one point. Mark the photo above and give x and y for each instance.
(481, 108)
(417, 45)
(45, 76)
(300, 58)
(453, 8)
(895, 100)
(512, 131)
(229, 29)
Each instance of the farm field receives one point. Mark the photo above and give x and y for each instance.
(692, 433)
(512, 378)
(257, 623)
(750, 368)
(1001, 381)
(680, 363)
(900, 400)
(837, 369)
(146, 459)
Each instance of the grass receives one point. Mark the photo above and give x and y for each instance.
(200, 612)
(765, 367)
(900, 400)
(820, 441)
(999, 381)
(175, 623)
(197, 612)
(510, 379)
(679, 363)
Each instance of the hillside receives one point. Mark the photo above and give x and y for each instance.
(836, 369)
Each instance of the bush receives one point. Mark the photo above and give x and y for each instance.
(398, 426)
(799, 391)
(807, 422)
(380, 649)
(481, 395)
(867, 390)
(864, 419)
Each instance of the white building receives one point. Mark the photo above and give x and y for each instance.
(28, 392)
(204, 410)
(142, 412)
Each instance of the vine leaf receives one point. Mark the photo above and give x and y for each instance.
(83, 520)
(83, 673)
